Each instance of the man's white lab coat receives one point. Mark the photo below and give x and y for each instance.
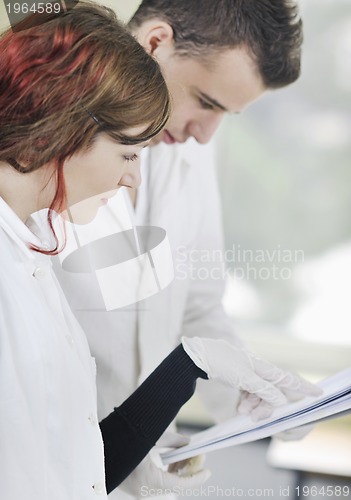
(180, 195)
(50, 442)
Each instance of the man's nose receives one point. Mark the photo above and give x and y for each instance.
(203, 129)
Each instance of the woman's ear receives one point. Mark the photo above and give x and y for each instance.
(155, 35)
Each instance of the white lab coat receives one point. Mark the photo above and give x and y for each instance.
(50, 443)
(182, 197)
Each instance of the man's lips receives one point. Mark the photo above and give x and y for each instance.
(168, 138)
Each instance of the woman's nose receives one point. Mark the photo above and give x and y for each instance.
(132, 177)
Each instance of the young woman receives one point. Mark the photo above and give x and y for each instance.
(79, 98)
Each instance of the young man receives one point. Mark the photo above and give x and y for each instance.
(217, 57)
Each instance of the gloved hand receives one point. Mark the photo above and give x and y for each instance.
(149, 476)
(294, 434)
(264, 385)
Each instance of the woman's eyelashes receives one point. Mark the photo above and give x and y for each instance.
(131, 157)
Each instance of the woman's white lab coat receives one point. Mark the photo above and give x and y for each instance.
(50, 443)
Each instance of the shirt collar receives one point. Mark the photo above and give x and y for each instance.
(16, 228)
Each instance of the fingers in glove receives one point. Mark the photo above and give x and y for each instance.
(188, 467)
(264, 389)
(295, 434)
(263, 410)
(295, 384)
(252, 405)
(248, 402)
(286, 381)
(293, 395)
(170, 480)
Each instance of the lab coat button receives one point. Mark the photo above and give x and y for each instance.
(99, 488)
(92, 419)
(39, 273)
(69, 339)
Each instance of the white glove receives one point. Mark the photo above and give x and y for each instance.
(149, 478)
(294, 434)
(263, 384)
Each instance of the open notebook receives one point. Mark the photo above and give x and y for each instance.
(335, 400)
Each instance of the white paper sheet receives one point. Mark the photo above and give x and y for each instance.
(336, 399)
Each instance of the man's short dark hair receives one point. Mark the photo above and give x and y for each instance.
(270, 29)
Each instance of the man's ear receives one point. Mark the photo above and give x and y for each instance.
(154, 35)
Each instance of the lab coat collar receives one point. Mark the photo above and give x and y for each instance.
(16, 229)
(165, 185)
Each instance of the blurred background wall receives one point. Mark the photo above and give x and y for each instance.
(285, 176)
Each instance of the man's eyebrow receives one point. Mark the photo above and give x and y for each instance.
(213, 101)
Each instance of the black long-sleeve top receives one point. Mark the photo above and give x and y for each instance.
(132, 429)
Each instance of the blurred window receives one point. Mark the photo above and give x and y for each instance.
(285, 178)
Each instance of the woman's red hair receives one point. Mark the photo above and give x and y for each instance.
(57, 72)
